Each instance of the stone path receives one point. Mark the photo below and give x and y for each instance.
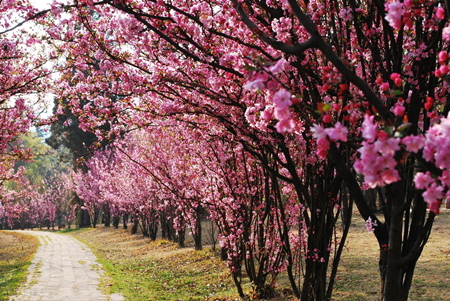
(62, 269)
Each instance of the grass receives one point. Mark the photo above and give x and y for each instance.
(358, 278)
(143, 270)
(16, 253)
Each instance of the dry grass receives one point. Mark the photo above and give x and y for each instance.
(358, 273)
(144, 270)
(16, 252)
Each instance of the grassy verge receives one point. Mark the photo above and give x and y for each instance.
(16, 252)
(144, 270)
(358, 277)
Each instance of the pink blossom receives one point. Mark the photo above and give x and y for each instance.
(282, 113)
(278, 67)
(414, 143)
(282, 99)
(394, 76)
(440, 13)
(370, 225)
(433, 193)
(395, 11)
(446, 33)
(285, 125)
(422, 180)
(384, 86)
(435, 206)
(337, 133)
(443, 56)
(323, 143)
(257, 81)
(399, 110)
(445, 178)
(255, 84)
(368, 128)
(318, 131)
(389, 176)
(322, 153)
(387, 146)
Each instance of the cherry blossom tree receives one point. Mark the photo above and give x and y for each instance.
(316, 91)
(23, 72)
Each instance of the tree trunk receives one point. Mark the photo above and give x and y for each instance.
(197, 233)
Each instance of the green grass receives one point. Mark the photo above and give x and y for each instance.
(16, 253)
(71, 230)
(144, 270)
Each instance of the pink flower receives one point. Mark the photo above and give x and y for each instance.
(440, 13)
(445, 178)
(422, 180)
(282, 99)
(395, 11)
(446, 33)
(323, 143)
(443, 56)
(389, 176)
(433, 193)
(337, 133)
(282, 113)
(368, 128)
(318, 131)
(434, 207)
(388, 146)
(322, 153)
(384, 86)
(257, 81)
(370, 225)
(285, 125)
(414, 143)
(278, 66)
(394, 76)
(399, 110)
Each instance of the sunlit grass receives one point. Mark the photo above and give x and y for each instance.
(144, 270)
(16, 253)
(358, 277)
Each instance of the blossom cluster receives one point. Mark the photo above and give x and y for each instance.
(377, 162)
(436, 149)
(378, 165)
(326, 135)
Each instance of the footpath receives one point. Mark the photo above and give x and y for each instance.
(62, 269)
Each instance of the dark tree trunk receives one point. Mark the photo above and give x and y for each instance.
(116, 221)
(197, 233)
(125, 221)
(153, 230)
(181, 238)
(106, 216)
(135, 226)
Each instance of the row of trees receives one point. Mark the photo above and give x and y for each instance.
(274, 116)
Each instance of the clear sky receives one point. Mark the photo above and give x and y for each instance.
(41, 4)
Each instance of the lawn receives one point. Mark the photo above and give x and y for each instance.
(143, 270)
(16, 253)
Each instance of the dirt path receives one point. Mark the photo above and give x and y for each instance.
(62, 269)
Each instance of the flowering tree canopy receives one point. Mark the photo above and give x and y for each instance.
(327, 97)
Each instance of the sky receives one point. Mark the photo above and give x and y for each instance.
(41, 4)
